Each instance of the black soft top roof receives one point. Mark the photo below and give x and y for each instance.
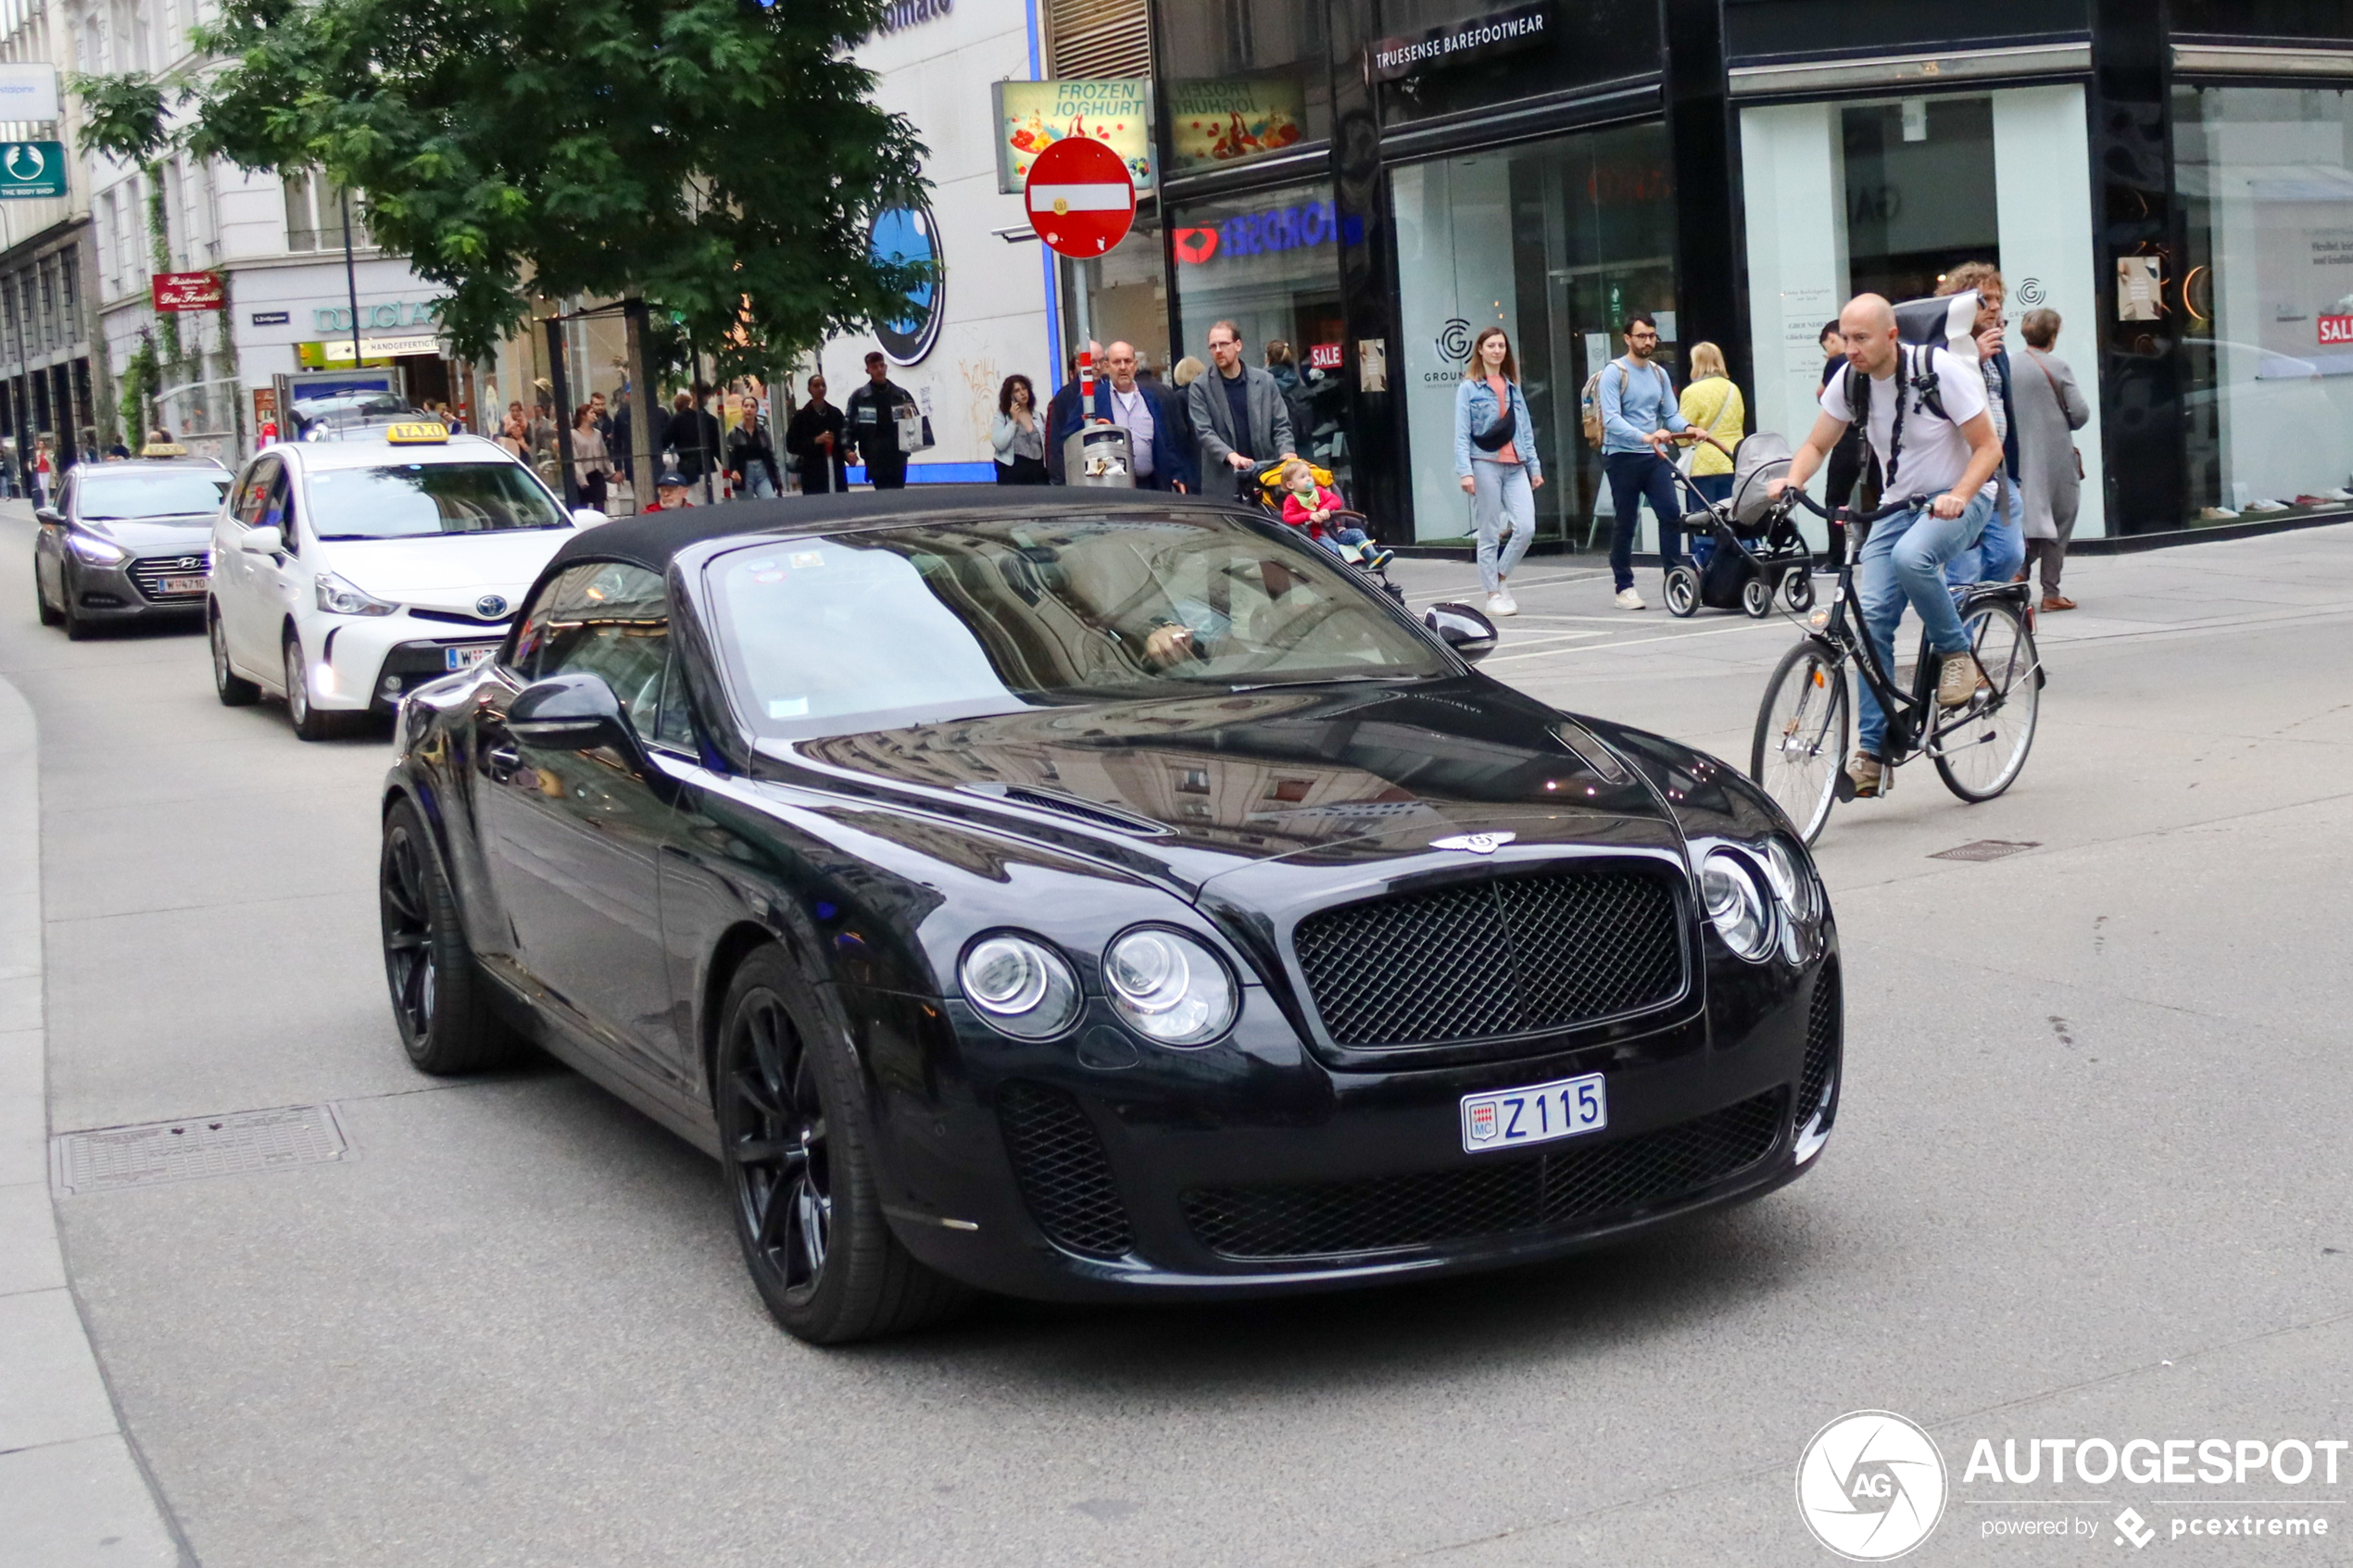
(653, 539)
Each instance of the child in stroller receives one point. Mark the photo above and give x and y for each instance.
(1755, 551)
(1301, 495)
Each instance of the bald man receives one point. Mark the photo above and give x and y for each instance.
(1924, 414)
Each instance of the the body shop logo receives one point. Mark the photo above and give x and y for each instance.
(1870, 1485)
(2336, 329)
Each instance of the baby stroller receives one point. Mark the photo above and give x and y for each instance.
(1375, 570)
(1755, 550)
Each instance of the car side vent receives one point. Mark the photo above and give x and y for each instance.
(1064, 1175)
(1091, 812)
(1825, 1028)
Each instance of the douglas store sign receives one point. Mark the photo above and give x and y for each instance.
(1260, 233)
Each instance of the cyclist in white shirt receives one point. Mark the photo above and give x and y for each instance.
(1926, 419)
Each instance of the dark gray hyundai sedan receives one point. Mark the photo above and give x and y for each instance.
(127, 541)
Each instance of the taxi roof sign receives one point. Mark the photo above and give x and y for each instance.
(417, 433)
(163, 449)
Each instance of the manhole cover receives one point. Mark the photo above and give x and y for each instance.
(112, 1157)
(1987, 850)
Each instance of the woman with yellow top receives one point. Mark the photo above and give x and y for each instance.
(1713, 403)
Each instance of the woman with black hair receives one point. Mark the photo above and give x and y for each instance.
(1019, 434)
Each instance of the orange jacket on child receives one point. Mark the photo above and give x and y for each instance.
(1295, 510)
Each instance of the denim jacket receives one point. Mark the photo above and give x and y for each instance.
(1475, 411)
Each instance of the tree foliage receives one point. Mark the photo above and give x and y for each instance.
(721, 160)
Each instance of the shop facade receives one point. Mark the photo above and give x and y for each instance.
(1374, 182)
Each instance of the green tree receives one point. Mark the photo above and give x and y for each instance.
(721, 160)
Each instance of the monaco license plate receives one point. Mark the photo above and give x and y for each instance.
(180, 586)
(467, 657)
(1538, 1113)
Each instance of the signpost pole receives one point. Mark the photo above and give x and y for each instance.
(350, 277)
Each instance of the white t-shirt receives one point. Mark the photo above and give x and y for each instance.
(1935, 453)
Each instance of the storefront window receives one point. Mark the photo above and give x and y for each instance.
(1556, 242)
(1269, 262)
(1921, 195)
(2265, 176)
(1244, 80)
(1121, 296)
(1573, 46)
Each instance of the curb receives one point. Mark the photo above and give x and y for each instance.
(73, 1487)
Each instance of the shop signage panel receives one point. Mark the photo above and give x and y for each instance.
(272, 318)
(1476, 38)
(1079, 197)
(1213, 123)
(186, 291)
(338, 350)
(28, 92)
(31, 169)
(1033, 115)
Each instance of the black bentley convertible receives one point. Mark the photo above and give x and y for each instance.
(1080, 896)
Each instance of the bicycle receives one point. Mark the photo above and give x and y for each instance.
(1804, 725)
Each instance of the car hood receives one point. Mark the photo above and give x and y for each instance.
(1191, 789)
(144, 535)
(445, 567)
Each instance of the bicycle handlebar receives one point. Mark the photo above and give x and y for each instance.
(1887, 508)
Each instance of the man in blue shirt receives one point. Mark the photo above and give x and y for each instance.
(1639, 421)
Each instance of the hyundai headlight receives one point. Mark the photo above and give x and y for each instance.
(1024, 988)
(1731, 885)
(1168, 987)
(95, 550)
(339, 597)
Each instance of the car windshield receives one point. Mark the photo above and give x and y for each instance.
(407, 500)
(125, 498)
(949, 620)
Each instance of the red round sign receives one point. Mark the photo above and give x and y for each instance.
(1081, 198)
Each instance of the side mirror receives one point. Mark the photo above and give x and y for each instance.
(49, 516)
(571, 712)
(1463, 629)
(587, 517)
(263, 542)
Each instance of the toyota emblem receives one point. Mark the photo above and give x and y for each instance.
(490, 607)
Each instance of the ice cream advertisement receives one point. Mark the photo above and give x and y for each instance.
(1033, 115)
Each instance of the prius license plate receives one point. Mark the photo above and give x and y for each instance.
(467, 657)
(180, 586)
(1538, 1113)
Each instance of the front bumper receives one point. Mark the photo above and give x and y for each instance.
(1091, 1170)
(131, 589)
(372, 662)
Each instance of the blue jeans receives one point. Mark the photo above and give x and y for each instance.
(1636, 477)
(1711, 487)
(1502, 500)
(1334, 538)
(1997, 555)
(1904, 559)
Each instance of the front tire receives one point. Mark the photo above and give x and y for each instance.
(795, 1145)
(49, 616)
(439, 998)
(311, 721)
(1799, 752)
(233, 689)
(79, 628)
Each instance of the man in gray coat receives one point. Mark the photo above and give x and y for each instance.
(1239, 416)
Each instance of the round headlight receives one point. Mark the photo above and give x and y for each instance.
(1022, 987)
(1792, 884)
(1736, 904)
(1169, 988)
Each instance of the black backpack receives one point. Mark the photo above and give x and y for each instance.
(1915, 383)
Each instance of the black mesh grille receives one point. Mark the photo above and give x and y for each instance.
(1569, 1185)
(1480, 959)
(1823, 1017)
(1059, 1162)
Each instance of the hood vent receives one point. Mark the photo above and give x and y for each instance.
(1093, 813)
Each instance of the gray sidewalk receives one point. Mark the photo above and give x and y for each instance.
(71, 1489)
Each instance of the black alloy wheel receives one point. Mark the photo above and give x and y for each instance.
(233, 689)
(439, 998)
(801, 1174)
(49, 616)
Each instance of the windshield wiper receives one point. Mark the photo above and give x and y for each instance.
(1320, 681)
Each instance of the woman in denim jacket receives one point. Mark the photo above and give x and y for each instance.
(1495, 458)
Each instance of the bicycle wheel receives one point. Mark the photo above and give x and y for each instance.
(1802, 736)
(1979, 752)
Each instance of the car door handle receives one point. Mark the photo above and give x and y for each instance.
(501, 762)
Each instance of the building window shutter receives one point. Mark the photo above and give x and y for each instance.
(1097, 39)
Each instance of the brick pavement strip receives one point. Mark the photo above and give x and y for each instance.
(72, 1491)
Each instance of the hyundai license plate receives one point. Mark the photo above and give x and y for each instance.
(467, 657)
(1508, 1118)
(180, 586)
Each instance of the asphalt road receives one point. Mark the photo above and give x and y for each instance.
(2090, 1179)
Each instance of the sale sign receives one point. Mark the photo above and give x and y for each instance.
(2336, 329)
(186, 291)
(1081, 201)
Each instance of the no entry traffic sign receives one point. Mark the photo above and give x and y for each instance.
(1081, 200)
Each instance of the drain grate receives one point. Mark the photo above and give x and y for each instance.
(110, 1159)
(1988, 849)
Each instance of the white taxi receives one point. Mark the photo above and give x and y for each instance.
(346, 572)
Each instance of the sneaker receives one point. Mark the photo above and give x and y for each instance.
(1500, 604)
(1628, 599)
(1865, 774)
(1959, 680)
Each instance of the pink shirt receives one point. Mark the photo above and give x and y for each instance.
(1510, 452)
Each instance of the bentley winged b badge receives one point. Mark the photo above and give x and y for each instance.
(1476, 843)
